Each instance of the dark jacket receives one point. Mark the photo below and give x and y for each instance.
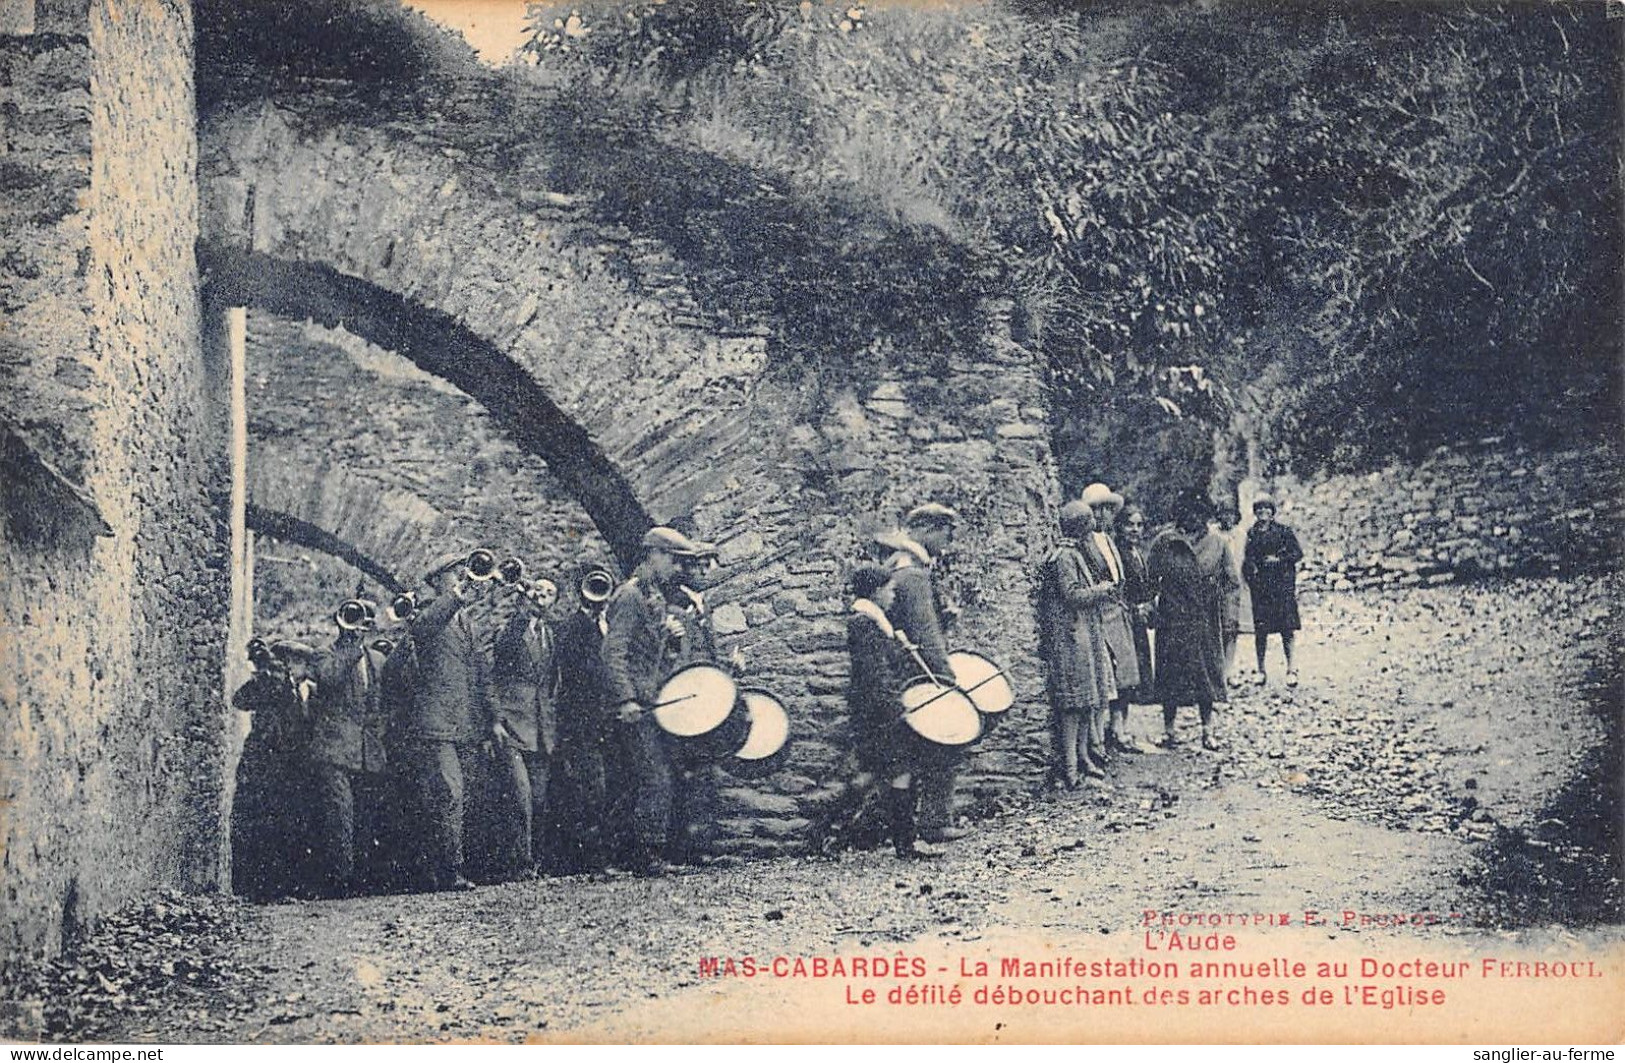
(916, 611)
(1270, 567)
(583, 698)
(636, 647)
(872, 691)
(524, 683)
(281, 721)
(445, 680)
(698, 644)
(1189, 584)
(348, 719)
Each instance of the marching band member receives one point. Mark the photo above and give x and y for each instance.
(879, 740)
(444, 716)
(637, 658)
(348, 760)
(269, 826)
(917, 610)
(587, 749)
(524, 683)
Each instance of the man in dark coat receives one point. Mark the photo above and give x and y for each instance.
(917, 611)
(587, 752)
(524, 687)
(1270, 567)
(445, 716)
(348, 764)
(1190, 569)
(638, 649)
(269, 820)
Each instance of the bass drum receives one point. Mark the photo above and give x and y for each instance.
(699, 707)
(940, 715)
(984, 682)
(766, 742)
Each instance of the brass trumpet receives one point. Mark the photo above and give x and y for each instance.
(597, 586)
(482, 565)
(511, 572)
(402, 607)
(357, 614)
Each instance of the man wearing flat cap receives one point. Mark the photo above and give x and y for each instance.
(917, 611)
(638, 650)
(444, 715)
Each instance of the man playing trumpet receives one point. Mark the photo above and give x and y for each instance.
(524, 685)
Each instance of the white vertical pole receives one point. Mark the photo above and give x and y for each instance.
(240, 616)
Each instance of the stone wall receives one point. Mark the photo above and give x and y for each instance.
(1471, 510)
(113, 594)
(733, 412)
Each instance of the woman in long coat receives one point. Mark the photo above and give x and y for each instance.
(1270, 567)
(1072, 640)
(1190, 570)
(1138, 594)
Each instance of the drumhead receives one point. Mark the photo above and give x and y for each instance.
(985, 682)
(940, 714)
(695, 701)
(769, 726)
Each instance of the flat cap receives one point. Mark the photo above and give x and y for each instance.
(931, 513)
(1264, 500)
(669, 540)
(289, 650)
(1098, 494)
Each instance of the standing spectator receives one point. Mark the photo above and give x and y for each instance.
(1230, 603)
(1190, 570)
(1271, 570)
(524, 688)
(348, 764)
(1072, 642)
(1100, 549)
(1137, 594)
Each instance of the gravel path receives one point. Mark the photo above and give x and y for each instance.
(1446, 752)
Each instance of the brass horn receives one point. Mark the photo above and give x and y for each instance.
(402, 607)
(511, 571)
(482, 565)
(259, 654)
(597, 586)
(357, 614)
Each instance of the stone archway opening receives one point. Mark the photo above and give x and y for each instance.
(441, 346)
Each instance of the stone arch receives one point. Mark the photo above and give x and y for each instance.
(292, 529)
(440, 345)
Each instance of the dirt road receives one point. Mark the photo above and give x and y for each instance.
(1445, 754)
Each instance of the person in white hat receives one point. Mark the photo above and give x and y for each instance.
(1108, 726)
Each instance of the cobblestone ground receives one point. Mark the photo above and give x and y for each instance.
(1451, 750)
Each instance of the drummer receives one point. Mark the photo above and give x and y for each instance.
(879, 740)
(917, 611)
(638, 650)
(696, 565)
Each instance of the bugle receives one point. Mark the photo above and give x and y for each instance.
(357, 614)
(402, 607)
(597, 586)
(481, 565)
(259, 654)
(511, 572)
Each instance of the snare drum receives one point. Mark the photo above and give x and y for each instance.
(983, 682)
(699, 706)
(766, 741)
(941, 715)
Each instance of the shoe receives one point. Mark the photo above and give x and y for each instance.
(1209, 744)
(1094, 772)
(939, 835)
(458, 884)
(1120, 746)
(1292, 678)
(1168, 741)
(1261, 680)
